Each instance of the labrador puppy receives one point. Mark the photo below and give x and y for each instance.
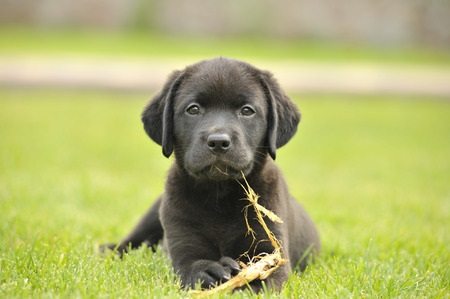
(222, 119)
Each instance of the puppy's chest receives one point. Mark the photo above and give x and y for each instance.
(222, 222)
(225, 231)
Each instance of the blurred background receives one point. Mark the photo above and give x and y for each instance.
(376, 22)
(345, 46)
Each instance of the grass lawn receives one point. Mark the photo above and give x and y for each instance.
(76, 170)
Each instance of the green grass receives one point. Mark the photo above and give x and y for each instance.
(25, 41)
(76, 170)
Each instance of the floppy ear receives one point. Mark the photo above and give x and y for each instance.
(158, 114)
(283, 117)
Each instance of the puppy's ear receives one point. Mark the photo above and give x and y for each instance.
(283, 115)
(158, 114)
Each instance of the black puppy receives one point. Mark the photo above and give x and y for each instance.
(222, 118)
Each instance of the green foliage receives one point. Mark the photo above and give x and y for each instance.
(77, 170)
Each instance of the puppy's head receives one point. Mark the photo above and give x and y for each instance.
(220, 117)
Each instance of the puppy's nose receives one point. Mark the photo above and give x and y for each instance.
(219, 142)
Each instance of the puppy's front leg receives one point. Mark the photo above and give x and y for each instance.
(210, 273)
(274, 281)
(198, 261)
(279, 276)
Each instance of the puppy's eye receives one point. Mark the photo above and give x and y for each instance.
(247, 110)
(193, 109)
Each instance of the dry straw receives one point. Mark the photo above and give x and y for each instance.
(260, 266)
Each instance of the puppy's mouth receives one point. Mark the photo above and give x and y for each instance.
(220, 171)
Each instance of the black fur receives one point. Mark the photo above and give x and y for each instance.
(241, 116)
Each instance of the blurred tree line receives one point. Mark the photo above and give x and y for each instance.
(381, 22)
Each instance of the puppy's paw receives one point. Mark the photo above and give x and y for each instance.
(229, 263)
(210, 273)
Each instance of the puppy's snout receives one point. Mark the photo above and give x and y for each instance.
(219, 143)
